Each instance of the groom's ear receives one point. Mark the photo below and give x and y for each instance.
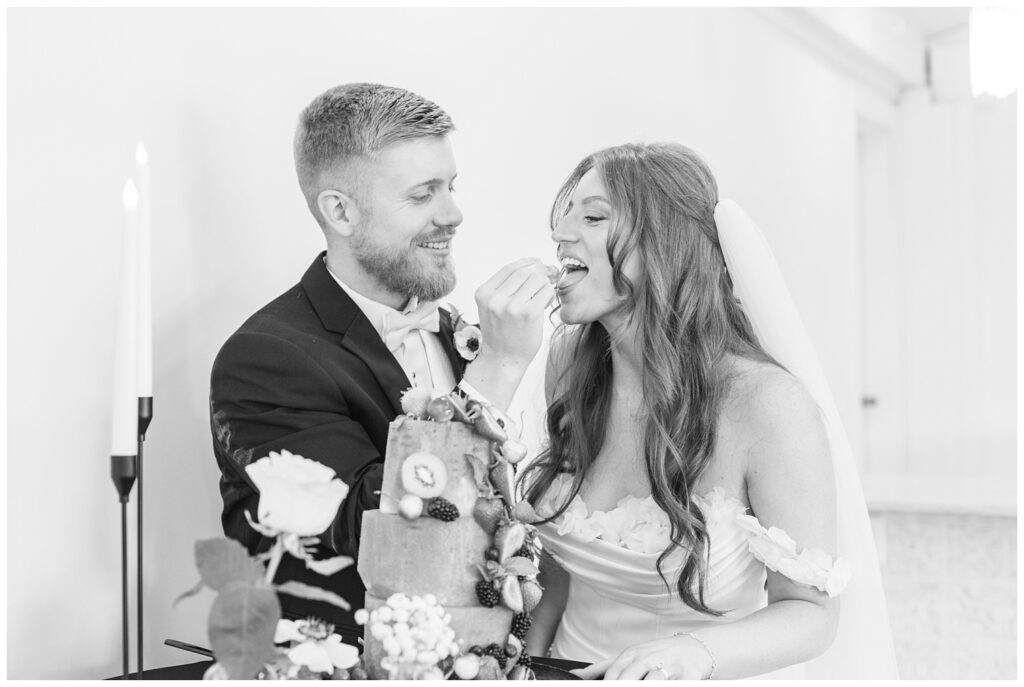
(339, 210)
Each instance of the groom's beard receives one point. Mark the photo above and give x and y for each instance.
(402, 270)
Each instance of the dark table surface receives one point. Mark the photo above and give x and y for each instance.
(546, 669)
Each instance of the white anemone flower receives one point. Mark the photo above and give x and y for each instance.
(315, 646)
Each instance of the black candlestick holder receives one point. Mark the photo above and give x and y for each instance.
(145, 417)
(123, 472)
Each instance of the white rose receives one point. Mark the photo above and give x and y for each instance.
(297, 496)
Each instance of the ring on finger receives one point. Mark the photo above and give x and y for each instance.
(659, 667)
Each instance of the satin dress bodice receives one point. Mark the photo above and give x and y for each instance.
(617, 597)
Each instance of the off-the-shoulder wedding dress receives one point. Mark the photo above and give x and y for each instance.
(617, 598)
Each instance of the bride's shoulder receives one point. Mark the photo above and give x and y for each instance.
(764, 397)
(774, 424)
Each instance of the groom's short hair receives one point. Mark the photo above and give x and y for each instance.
(357, 120)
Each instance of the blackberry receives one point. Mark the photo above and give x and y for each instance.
(443, 509)
(521, 623)
(526, 551)
(525, 660)
(487, 594)
(498, 653)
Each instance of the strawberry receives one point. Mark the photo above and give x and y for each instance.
(531, 592)
(488, 513)
(525, 512)
(509, 538)
(502, 478)
(512, 594)
(487, 425)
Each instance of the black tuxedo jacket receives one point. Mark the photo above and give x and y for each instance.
(308, 373)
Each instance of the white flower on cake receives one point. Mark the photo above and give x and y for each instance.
(414, 633)
(314, 646)
(297, 495)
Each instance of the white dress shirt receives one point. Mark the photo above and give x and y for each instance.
(421, 354)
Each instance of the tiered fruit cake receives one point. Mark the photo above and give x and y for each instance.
(447, 533)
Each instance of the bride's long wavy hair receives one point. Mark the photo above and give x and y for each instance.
(686, 319)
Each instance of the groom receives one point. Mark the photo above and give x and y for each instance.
(319, 371)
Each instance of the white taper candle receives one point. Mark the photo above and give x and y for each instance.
(145, 322)
(126, 405)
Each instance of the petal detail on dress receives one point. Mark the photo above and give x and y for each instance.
(779, 552)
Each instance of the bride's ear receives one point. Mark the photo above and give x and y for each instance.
(339, 210)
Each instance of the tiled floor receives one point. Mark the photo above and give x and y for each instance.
(951, 585)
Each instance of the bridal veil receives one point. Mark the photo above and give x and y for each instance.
(863, 647)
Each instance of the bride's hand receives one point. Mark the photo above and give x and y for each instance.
(671, 658)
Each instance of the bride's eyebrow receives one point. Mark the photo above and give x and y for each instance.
(599, 199)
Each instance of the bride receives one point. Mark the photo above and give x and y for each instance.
(689, 491)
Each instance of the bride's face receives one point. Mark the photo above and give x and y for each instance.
(585, 288)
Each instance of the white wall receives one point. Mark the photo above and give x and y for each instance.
(214, 95)
(941, 302)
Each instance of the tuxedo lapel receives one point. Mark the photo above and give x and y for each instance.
(339, 314)
(447, 334)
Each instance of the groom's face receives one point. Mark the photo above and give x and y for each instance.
(408, 217)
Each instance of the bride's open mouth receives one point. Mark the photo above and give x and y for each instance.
(573, 272)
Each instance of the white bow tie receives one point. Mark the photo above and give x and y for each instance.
(398, 325)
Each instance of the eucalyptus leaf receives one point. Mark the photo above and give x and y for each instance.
(242, 623)
(456, 317)
(191, 592)
(222, 561)
(306, 591)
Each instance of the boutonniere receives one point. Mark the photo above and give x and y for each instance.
(468, 338)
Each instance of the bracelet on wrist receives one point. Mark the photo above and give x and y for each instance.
(714, 665)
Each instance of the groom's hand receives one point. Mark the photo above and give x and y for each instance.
(511, 305)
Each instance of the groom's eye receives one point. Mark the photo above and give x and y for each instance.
(423, 198)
